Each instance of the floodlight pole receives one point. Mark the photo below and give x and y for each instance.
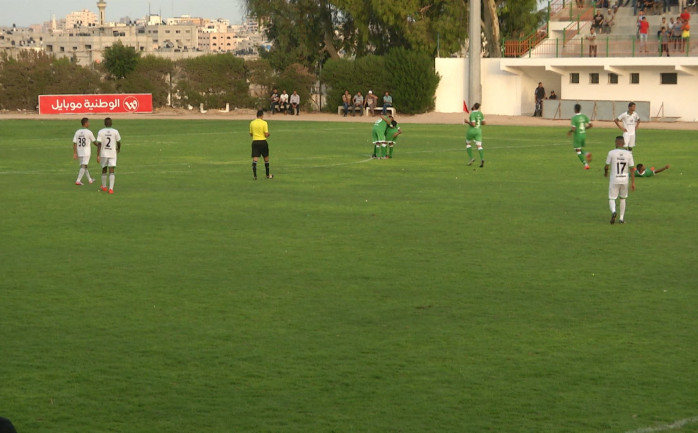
(474, 53)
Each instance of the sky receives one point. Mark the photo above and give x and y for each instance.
(24, 13)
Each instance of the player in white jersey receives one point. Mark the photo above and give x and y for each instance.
(620, 162)
(82, 149)
(630, 123)
(109, 145)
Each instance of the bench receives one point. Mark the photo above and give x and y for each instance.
(340, 110)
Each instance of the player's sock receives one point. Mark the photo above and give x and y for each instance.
(469, 149)
(87, 172)
(111, 180)
(481, 151)
(612, 205)
(254, 169)
(377, 150)
(81, 173)
(384, 150)
(622, 209)
(266, 168)
(390, 150)
(104, 180)
(581, 157)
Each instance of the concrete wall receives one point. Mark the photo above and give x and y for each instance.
(508, 84)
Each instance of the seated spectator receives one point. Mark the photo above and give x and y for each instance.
(597, 22)
(358, 104)
(283, 102)
(552, 95)
(371, 102)
(274, 101)
(346, 101)
(387, 102)
(295, 102)
(608, 22)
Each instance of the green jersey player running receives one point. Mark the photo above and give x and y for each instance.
(580, 124)
(378, 134)
(475, 121)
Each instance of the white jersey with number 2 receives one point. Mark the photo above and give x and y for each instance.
(108, 138)
(620, 161)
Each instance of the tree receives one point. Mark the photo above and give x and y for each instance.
(311, 31)
(214, 80)
(120, 60)
(511, 19)
(151, 75)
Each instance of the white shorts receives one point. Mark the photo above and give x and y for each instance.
(616, 190)
(84, 160)
(108, 162)
(629, 139)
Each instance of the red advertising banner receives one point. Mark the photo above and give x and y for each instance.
(96, 104)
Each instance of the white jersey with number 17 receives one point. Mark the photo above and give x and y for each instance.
(83, 140)
(108, 137)
(620, 161)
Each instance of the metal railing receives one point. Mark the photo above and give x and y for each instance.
(611, 47)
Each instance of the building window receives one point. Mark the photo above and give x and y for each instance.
(635, 78)
(594, 78)
(574, 78)
(62, 49)
(669, 78)
(612, 78)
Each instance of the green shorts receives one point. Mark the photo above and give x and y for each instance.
(474, 134)
(378, 134)
(579, 141)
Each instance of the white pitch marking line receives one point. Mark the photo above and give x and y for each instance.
(673, 426)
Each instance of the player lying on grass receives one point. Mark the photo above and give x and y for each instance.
(642, 171)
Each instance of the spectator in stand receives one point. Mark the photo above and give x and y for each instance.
(640, 15)
(358, 104)
(283, 102)
(597, 22)
(371, 102)
(552, 95)
(644, 33)
(346, 101)
(608, 22)
(580, 3)
(676, 32)
(685, 36)
(274, 106)
(295, 102)
(387, 102)
(685, 16)
(592, 42)
(663, 41)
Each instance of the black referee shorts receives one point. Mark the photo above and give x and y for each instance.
(260, 148)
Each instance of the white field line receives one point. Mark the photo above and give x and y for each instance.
(665, 427)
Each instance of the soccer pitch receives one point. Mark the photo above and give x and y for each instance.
(347, 294)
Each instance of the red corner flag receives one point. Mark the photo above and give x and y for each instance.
(465, 107)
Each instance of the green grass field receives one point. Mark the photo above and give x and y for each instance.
(410, 295)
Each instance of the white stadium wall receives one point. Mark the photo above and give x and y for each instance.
(508, 84)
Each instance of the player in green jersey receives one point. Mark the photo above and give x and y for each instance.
(475, 121)
(642, 171)
(378, 135)
(391, 135)
(580, 123)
